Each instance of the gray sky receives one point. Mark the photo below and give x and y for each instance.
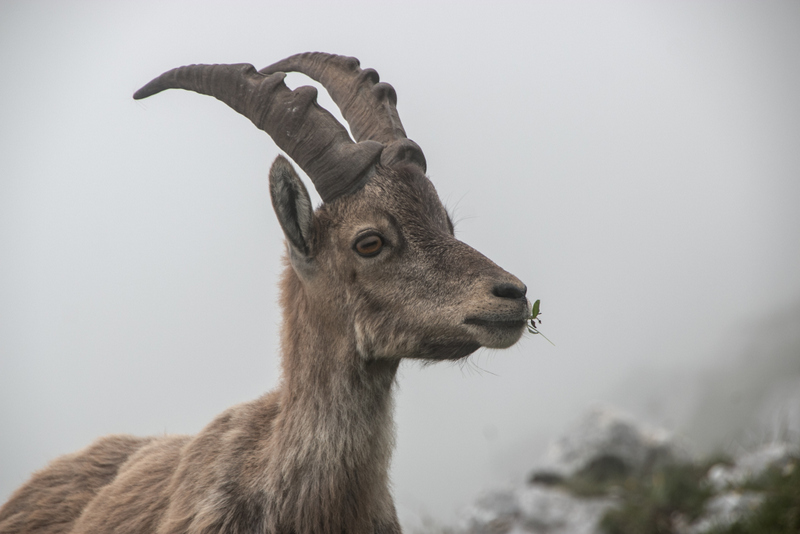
(636, 164)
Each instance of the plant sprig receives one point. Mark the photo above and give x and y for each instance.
(532, 325)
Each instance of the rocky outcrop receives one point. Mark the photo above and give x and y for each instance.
(733, 501)
(725, 509)
(533, 509)
(607, 442)
(752, 464)
(567, 492)
(606, 464)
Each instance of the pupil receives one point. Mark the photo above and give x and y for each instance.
(370, 245)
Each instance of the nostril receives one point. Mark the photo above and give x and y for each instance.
(509, 291)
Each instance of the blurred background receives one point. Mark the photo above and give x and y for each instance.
(636, 164)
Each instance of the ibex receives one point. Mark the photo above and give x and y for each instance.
(373, 276)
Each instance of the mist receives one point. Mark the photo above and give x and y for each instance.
(635, 164)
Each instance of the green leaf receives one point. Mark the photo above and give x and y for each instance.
(535, 310)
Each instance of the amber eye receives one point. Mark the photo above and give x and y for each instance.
(369, 245)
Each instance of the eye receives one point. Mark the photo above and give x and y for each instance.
(369, 245)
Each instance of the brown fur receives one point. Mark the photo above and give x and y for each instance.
(313, 455)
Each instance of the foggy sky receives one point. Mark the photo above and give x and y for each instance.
(637, 165)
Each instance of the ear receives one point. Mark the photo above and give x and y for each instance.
(292, 206)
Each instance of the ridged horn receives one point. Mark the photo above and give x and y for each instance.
(368, 105)
(310, 135)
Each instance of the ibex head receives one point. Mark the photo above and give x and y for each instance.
(378, 259)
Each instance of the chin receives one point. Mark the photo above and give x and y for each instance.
(452, 351)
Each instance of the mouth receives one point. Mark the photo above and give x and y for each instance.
(496, 331)
(511, 324)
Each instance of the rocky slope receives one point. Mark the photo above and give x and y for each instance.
(611, 474)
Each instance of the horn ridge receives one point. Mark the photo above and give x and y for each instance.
(309, 134)
(350, 88)
(368, 105)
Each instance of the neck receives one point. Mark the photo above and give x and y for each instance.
(334, 432)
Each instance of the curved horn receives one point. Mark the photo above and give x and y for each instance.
(368, 105)
(310, 135)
